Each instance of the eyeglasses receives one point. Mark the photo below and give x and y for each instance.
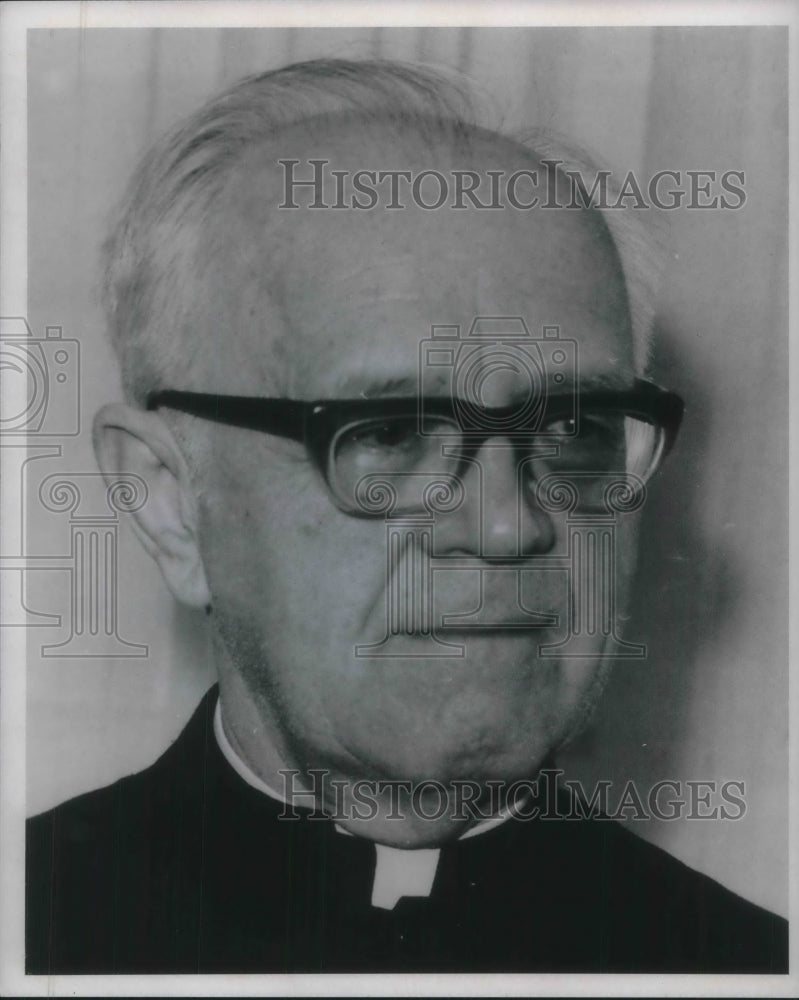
(368, 450)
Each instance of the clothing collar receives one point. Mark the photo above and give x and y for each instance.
(398, 871)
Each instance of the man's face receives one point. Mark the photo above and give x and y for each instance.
(298, 585)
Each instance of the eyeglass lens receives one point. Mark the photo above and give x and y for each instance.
(394, 451)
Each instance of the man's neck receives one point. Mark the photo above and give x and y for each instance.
(305, 800)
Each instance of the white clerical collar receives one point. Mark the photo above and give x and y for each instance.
(398, 871)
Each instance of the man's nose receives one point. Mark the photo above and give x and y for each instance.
(499, 518)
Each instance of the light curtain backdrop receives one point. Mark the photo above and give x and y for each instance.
(710, 701)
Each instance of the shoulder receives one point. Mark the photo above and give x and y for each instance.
(654, 913)
(89, 853)
(151, 795)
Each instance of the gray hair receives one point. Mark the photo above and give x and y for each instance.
(170, 199)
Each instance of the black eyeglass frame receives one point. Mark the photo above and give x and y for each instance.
(316, 423)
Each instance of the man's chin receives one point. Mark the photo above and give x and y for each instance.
(410, 832)
(426, 813)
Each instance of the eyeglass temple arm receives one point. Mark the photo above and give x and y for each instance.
(283, 417)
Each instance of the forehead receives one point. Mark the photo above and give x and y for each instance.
(346, 297)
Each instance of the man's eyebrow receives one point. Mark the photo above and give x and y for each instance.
(366, 387)
(369, 387)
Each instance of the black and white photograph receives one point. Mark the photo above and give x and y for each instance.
(395, 467)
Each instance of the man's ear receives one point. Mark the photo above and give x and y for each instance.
(127, 440)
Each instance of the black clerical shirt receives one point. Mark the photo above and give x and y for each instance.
(186, 868)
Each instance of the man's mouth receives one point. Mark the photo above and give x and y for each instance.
(482, 623)
(464, 627)
(505, 612)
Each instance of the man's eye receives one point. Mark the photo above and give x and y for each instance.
(387, 435)
(588, 427)
(565, 427)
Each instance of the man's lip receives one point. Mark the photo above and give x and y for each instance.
(486, 628)
(466, 630)
(512, 616)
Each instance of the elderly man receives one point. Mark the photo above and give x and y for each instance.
(382, 388)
